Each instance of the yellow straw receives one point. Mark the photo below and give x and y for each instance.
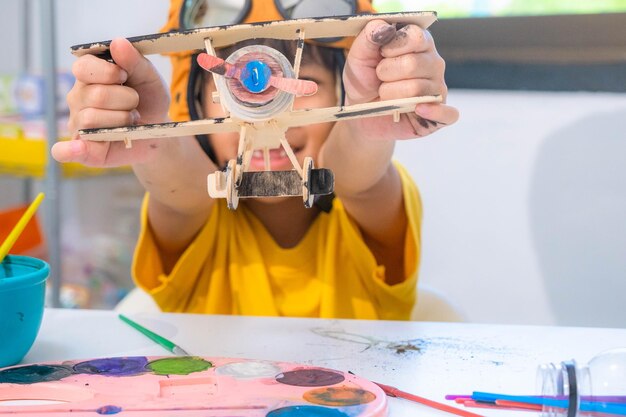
(19, 227)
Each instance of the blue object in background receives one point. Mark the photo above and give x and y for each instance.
(22, 294)
(255, 76)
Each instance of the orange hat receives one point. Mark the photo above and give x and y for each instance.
(181, 61)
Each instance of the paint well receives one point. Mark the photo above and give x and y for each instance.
(310, 377)
(33, 374)
(247, 370)
(339, 396)
(179, 366)
(109, 410)
(306, 411)
(130, 366)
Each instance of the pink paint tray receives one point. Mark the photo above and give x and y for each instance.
(187, 386)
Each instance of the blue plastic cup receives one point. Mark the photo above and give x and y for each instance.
(22, 298)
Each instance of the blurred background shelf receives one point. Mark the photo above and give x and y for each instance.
(24, 153)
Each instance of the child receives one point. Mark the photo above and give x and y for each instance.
(355, 258)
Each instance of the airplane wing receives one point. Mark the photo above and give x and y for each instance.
(286, 120)
(161, 130)
(334, 114)
(328, 27)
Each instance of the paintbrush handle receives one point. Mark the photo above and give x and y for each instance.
(20, 226)
(395, 392)
(160, 340)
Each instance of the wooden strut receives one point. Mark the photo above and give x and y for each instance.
(208, 45)
(298, 58)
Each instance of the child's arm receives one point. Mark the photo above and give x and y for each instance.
(173, 171)
(384, 64)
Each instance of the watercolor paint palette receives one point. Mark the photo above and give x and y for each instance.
(187, 386)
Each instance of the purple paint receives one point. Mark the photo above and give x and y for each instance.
(310, 377)
(130, 366)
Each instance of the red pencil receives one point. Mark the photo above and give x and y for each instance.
(395, 392)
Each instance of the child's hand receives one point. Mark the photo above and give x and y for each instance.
(385, 64)
(105, 94)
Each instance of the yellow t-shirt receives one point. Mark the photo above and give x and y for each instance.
(234, 266)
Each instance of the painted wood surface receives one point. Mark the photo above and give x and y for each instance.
(188, 386)
(286, 119)
(284, 183)
(328, 27)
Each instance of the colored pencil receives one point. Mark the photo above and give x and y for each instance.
(20, 226)
(160, 340)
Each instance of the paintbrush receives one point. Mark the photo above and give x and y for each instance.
(20, 226)
(160, 340)
(396, 392)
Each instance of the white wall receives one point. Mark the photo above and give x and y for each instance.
(525, 207)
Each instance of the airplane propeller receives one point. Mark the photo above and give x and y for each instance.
(256, 76)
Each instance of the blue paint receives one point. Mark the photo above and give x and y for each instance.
(130, 366)
(255, 76)
(109, 409)
(306, 411)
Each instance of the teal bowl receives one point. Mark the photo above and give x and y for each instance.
(22, 298)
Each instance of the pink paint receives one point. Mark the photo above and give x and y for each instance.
(229, 387)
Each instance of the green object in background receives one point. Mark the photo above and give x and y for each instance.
(479, 8)
(7, 100)
(160, 340)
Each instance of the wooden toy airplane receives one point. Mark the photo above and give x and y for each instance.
(256, 87)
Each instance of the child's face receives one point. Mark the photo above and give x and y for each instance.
(304, 140)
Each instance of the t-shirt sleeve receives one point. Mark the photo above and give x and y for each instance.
(170, 291)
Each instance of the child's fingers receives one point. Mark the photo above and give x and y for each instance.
(81, 151)
(409, 88)
(429, 118)
(140, 70)
(409, 66)
(359, 76)
(442, 114)
(89, 69)
(409, 39)
(106, 97)
(90, 118)
(97, 154)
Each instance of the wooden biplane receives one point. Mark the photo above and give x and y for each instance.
(256, 87)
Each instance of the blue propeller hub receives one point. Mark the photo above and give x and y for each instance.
(255, 76)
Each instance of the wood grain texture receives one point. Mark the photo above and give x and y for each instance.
(286, 119)
(328, 27)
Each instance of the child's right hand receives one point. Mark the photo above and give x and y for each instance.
(127, 92)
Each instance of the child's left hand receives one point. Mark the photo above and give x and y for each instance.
(384, 64)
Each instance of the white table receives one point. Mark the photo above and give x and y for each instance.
(427, 359)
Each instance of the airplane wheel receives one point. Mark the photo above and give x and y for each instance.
(232, 197)
(307, 167)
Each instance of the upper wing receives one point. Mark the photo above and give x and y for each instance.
(161, 130)
(327, 27)
(333, 114)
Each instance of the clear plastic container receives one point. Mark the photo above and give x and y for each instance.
(256, 107)
(595, 389)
